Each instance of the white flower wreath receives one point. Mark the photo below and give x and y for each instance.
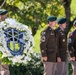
(16, 42)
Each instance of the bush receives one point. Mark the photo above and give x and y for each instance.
(34, 67)
(70, 69)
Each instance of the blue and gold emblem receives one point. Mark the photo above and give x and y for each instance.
(16, 42)
(14, 39)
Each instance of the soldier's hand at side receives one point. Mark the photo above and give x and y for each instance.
(44, 58)
(72, 58)
(58, 59)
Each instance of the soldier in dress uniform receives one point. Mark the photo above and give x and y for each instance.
(4, 69)
(48, 46)
(72, 48)
(62, 46)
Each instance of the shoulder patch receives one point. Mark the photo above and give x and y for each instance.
(69, 40)
(42, 39)
(42, 36)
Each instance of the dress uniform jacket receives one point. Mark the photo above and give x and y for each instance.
(62, 44)
(72, 43)
(48, 44)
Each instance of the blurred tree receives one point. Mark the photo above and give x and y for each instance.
(66, 4)
(34, 12)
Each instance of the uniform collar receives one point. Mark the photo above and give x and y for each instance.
(60, 29)
(50, 28)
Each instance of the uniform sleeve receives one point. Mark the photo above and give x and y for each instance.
(70, 44)
(43, 43)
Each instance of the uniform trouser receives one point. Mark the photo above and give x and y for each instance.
(74, 67)
(49, 68)
(4, 69)
(61, 68)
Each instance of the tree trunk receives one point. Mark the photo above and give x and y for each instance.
(66, 4)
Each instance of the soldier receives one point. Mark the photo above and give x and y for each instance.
(48, 46)
(4, 69)
(62, 46)
(72, 48)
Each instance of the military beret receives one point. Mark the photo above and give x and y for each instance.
(61, 20)
(74, 23)
(3, 12)
(51, 18)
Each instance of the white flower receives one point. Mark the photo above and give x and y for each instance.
(4, 55)
(14, 59)
(27, 39)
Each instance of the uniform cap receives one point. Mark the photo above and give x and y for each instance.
(51, 18)
(61, 20)
(3, 12)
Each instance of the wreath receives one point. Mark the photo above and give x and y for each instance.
(16, 42)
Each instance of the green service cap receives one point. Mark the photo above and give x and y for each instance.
(51, 18)
(3, 12)
(61, 20)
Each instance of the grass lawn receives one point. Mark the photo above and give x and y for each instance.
(37, 41)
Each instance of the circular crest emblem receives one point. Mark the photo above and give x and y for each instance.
(16, 42)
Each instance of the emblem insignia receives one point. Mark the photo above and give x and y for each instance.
(14, 41)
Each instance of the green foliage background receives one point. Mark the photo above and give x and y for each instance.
(34, 13)
(37, 35)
